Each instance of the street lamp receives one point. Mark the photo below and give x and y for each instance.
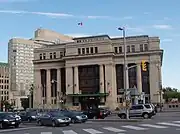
(59, 96)
(126, 80)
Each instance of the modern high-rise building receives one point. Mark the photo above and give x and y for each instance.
(20, 57)
(4, 81)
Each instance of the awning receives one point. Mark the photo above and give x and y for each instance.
(89, 95)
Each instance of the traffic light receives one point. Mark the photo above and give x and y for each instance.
(144, 65)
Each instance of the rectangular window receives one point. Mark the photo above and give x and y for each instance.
(54, 55)
(61, 54)
(141, 47)
(83, 50)
(120, 49)
(96, 49)
(87, 50)
(146, 47)
(92, 50)
(128, 49)
(79, 51)
(50, 56)
(40, 56)
(115, 50)
(14, 50)
(44, 55)
(133, 48)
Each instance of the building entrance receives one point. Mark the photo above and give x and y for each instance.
(89, 102)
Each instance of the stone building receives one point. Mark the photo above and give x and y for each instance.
(89, 71)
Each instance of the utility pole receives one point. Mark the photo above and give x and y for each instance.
(126, 80)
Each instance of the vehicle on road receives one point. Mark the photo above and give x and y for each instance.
(98, 113)
(76, 116)
(141, 110)
(53, 119)
(8, 120)
(28, 116)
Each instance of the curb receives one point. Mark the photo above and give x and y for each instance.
(114, 120)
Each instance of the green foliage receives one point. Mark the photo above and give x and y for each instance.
(7, 105)
(170, 93)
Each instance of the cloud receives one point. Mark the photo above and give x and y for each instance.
(166, 40)
(162, 27)
(136, 29)
(74, 35)
(57, 15)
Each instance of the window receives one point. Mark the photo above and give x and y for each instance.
(87, 50)
(50, 55)
(146, 47)
(44, 55)
(14, 50)
(96, 49)
(40, 56)
(141, 47)
(128, 49)
(83, 50)
(79, 51)
(147, 106)
(61, 54)
(92, 50)
(115, 50)
(132, 48)
(120, 49)
(54, 55)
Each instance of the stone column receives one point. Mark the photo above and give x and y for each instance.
(76, 80)
(58, 86)
(69, 85)
(111, 101)
(48, 87)
(37, 93)
(101, 79)
(139, 78)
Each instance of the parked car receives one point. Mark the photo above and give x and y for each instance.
(54, 119)
(7, 120)
(18, 118)
(95, 113)
(76, 117)
(28, 116)
(140, 110)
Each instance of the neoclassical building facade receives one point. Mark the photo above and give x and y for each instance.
(89, 71)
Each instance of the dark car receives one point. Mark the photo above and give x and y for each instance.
(76, 117)
(7, 120)
(95, 113)
(28, 116)
(53, 119)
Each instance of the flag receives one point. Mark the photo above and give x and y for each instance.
(80, 23)
(120, 28)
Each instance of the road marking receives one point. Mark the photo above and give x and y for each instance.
(92, 131)
(116, 130)
(17, 129)
(154, 126)
(69, 132)
(46, 132)
(134, 127)
(169, 124)
(176, 121)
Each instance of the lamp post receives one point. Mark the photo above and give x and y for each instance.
(126, 80)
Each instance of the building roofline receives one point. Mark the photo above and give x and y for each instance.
(95, 36)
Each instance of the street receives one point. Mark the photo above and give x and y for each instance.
(164, 122)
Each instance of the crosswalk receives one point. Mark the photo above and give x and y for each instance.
(120, 129)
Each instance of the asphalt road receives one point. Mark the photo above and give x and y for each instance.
(163, 123)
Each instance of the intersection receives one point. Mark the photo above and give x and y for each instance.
(162, 123)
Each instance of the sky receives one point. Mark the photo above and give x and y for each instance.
(20, 18)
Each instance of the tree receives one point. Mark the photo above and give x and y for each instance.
(7, 105)
(170, 93)
(25, 103)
